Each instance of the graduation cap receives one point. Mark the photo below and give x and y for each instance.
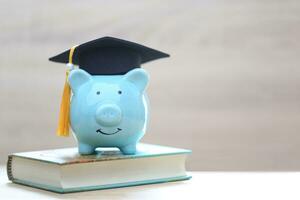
(103, 56)
(108, 56)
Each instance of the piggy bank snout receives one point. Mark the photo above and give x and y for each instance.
(108, 115)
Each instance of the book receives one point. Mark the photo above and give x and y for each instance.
(65, 170)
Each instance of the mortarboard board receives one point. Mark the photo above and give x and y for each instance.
(103, 56)
(109, 56)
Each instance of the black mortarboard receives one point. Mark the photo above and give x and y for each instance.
(109, 56)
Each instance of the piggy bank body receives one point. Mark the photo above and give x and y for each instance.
(108, 110)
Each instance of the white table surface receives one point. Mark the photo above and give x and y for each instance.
(203, 185)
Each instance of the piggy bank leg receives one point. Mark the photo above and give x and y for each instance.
(129, 149)
(85, 149)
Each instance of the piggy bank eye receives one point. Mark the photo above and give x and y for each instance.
(119, 92)
(98, 92)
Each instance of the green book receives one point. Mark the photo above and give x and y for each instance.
(64, 170)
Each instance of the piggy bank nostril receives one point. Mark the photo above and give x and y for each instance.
(108, 115)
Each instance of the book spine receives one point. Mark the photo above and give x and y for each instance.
(9, 168)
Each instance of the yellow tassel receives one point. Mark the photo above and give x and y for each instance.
(63, 128)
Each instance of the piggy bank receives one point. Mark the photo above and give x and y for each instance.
(108, 111)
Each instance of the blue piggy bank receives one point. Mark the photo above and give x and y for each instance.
(108, 110)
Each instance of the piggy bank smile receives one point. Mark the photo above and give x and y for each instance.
(108, 133)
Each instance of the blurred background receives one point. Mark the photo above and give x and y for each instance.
(230, 91)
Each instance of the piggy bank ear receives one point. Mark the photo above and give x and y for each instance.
(139, 77)
(77, 78)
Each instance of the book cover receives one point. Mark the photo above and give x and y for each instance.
(71, 157)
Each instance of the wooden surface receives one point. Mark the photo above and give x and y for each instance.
(229, 91)
(203, 185)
